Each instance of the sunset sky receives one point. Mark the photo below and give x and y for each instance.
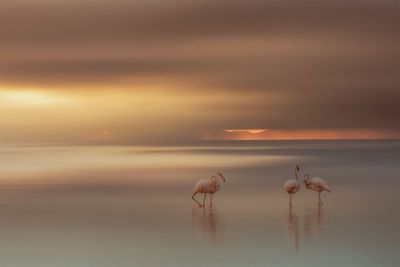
(152, 71)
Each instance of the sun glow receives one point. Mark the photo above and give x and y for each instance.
(29, 98)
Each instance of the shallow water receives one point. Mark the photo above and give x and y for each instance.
(130, 206)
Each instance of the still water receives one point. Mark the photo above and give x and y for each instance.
(101, 206)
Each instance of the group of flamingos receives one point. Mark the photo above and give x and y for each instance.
(212, 185)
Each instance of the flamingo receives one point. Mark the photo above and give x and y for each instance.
(208, 186)
(316, 184)
(292, 186)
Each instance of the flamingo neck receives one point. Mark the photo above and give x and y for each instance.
(296, 174)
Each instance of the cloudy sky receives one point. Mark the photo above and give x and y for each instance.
(153, 71)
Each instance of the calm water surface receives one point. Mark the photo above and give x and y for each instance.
(87, 206)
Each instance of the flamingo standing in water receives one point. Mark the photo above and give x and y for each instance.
(292, 186)
(208, 186)
(316, 184)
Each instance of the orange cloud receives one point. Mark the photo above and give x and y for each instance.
(251, 131)
(301, 134)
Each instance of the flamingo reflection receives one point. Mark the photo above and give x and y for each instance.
(293, 228)
(313, 222)
(207, 223)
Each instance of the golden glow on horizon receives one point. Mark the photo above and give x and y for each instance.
(141, 114)
(29, 98)
(301, 134)
(252, 131)
(118, 114)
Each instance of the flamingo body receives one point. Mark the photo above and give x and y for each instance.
(292, 186)
(205, 186)
(316, 184)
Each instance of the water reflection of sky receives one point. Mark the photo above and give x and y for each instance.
(98, 214)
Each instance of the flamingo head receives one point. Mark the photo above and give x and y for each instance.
(221, 175)
(307, 181)
(297, 168)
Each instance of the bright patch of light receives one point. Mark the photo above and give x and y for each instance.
(29, 98)
(252, 131)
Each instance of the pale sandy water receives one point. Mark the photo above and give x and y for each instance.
(87, 206)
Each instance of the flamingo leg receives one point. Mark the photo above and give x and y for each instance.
(290, 200)
(211, 197)
(319, 199)
(204, 200)
(195, 199)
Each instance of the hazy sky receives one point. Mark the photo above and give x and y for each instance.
(172, 71)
